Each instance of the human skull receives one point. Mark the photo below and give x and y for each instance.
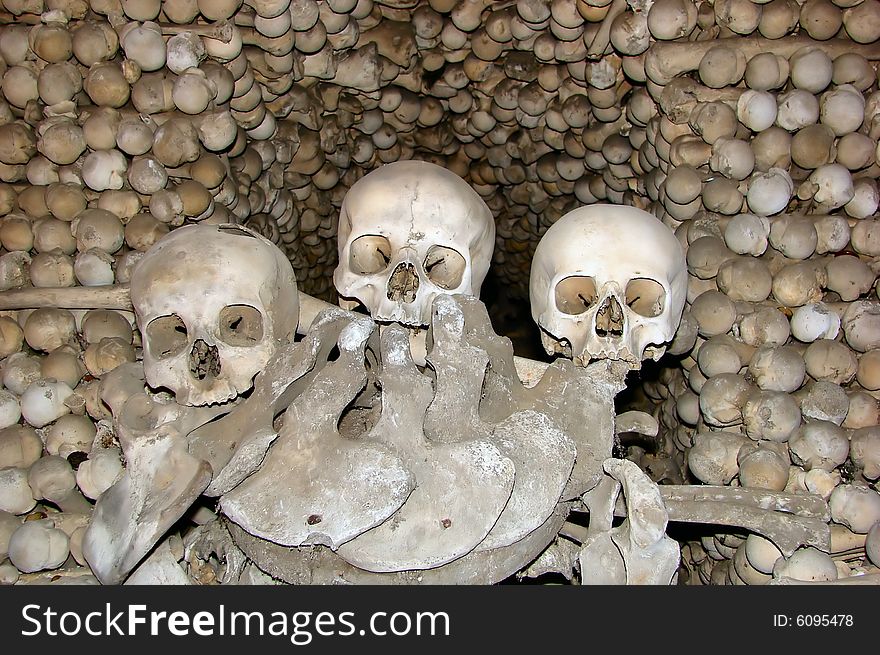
(409, 231)
(212, 302)
(608, 282)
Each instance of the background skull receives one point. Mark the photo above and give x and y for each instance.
(407, 232)
(212, 302)
(608, 282)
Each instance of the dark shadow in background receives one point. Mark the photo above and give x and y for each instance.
(511, 317)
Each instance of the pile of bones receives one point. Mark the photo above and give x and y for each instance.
(241, 252)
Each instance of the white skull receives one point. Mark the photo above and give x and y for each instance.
(409, 231)
(212, 302)
(608, 282)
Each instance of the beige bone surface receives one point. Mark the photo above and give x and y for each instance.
(117, 297)
(788, 520)
(666, 61)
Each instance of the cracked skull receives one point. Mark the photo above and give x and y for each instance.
(212, 302)
(407, 232)
(608, 282)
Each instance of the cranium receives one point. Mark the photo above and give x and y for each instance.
(409, 231)
(608, 282)
(212, 302)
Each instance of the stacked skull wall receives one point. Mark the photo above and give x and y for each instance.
(749, 127)
(753, 160)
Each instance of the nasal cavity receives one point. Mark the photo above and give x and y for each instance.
(404, 283)
(609, 318)
(204, 360)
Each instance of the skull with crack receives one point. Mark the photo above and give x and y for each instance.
(212, 303)
(409, 231)
(608, 282)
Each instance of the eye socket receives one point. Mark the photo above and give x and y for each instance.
(645, 297)
(445, 267)
(576, 294)
(166, 335)
(369, 254)
(241, 325)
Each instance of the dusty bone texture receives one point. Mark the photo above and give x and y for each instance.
(212, 541)
(542, 452)
(788, 520)
(489, 474)
(160, 568)
(462, 486)
(235, 445)
(316, 487)
(638, 551)
(665, 61)
(320, 565)
(160, 482)
(580, 401)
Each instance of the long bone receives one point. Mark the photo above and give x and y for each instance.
(221, 31)
(667, 60)
(788, 520)
(681, 95)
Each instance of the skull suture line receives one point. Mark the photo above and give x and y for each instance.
(409, 231)
(212, 302)
(608, 282)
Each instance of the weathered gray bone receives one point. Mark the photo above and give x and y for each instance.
(534, 512)
(320, 565)
(649, 555)
(316, 487)
(543, 455)
(578, 400)
(212, 541)
(560, 557)
(788, 520)
(160, 483)
(638, 551)
(638, 422)
(160, 568)
(235, 445)
(600, 560)
(461, 487)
